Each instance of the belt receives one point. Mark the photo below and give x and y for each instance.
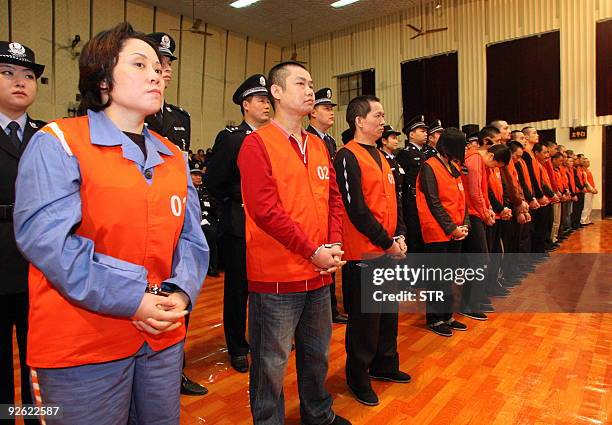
(6, 212)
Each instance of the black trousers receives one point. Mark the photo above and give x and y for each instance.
(511, 237)
(235, 296)
(210, 231)
(577, 210)
(14, 313)
(414, 237)
(435, 310)
(542, 226)
(475, 244)
(371, 338)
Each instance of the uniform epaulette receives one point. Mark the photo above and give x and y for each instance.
(232, 128)
(170, 107)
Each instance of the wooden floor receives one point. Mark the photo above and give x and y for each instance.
(515, 368)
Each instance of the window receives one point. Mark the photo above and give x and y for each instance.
(356, 84)
(524, 79)
(430, 87)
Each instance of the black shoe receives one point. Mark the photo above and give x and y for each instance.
(487, 308)
(399, 377)
(189, 387)
(476, 315)
(213, 273)
(340, 318)
(367, 397)
(339, 420)
(456, 325)
(441, 329)
(240, 363)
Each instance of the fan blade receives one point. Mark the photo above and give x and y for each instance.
(435, 30)
(417, 35)
(200, 32)
(414, 28)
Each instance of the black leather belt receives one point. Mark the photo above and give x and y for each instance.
(6, 212)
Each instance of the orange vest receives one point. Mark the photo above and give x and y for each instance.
(484, 187)
(536, 168)
(126, 218)
(543, 175)
(496, 186)
(525, 172)
(559, 179)
(581, 176)
(452, 198)
(570, 177)
(303, 191)
(589, 177)
(378, 186)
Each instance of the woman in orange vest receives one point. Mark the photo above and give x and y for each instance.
(372, 227)
(110, 222)
(444, 219)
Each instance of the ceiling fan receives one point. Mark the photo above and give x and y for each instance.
(294, 54)
(422, 31)
(195, 27)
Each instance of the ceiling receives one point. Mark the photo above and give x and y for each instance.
(268, 20)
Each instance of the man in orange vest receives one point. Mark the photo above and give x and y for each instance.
(372, 227)
(585, 218)
(293, 232)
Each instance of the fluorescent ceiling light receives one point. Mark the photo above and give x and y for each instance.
(242, 3)
(341, 3)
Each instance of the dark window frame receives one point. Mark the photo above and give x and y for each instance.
(355, 84)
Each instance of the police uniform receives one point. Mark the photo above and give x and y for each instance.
(209, 221)
(13, 266)
(434, 127)
(411, 158)
(174, 123)
(324, 97)
(222, 179)
(396, 168)
(171, 121)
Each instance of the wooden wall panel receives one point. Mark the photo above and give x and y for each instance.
(255, 57)
(234, 75)
(4, 20)
(190, 79)
(28, 14)
(214, 84)
(168, 23)
(140, 15)
(71, 18)
(106, 14)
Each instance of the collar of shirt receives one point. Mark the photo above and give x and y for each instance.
(103, 132)
(5, 121)
(416, 146)
(321, 135)
(390, 155)
(303, 132)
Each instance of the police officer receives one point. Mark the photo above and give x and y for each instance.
(388, 144)
(411, 159)
(171, 121)
(222, 179)
(19, 73)
(434, 129)
(209, 220)
(321, 120)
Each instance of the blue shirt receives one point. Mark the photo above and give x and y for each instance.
(48, 209)
(5, 121)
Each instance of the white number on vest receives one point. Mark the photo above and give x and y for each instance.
(176, 205)
(323, 172)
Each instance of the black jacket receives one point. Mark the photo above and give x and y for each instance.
(174, 123)
(222, 177)
(13, 267)
(330, 144)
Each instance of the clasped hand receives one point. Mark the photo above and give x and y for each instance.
(328, 259)
(157, 314)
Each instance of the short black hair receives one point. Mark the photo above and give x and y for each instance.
(488, 131)
(524, 129)
(514, 145)
(538, 147)
(557, 155)
(359, 107)
(550, 143)
(98, 60)
(514, 134)
(501, 153)
(278, 75)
